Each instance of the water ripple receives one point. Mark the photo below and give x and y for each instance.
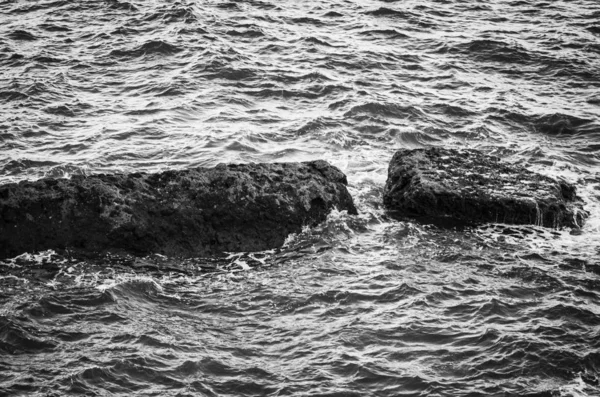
(360, 305)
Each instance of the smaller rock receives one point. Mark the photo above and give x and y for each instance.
(449, 186)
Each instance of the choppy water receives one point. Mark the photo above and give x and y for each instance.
(360, 306)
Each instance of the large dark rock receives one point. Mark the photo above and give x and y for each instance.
(470, 187)
(193, 212)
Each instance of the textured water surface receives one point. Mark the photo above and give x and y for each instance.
(360, 306)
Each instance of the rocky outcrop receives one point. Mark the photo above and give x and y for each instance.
(469, 187)
(194, 212)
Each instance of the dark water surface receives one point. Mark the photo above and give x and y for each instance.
(360, 306)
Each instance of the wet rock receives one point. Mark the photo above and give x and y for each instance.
(451, 187)
(194, 212)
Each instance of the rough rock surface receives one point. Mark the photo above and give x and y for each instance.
(194, 212)
(470, 187)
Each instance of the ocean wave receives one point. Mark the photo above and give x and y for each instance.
(358, 305)
(121, 5)
(178, 12)
(561, 124)
(36, 7)
(61, 304)
(387, 33)
(247, 33)
(13, 96)
(314, 92)
(229, 6)
(314, 40)
(120, 376)
(385, 109)
(229, 73)
(51, 27)
(133, 286)
(153, 47)
(389, 12)
(17, 339)
(60, 110)
(22, 35)
(307, 20)
(295, 78)
(333, 14)
(493, 50)
(414, 139)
